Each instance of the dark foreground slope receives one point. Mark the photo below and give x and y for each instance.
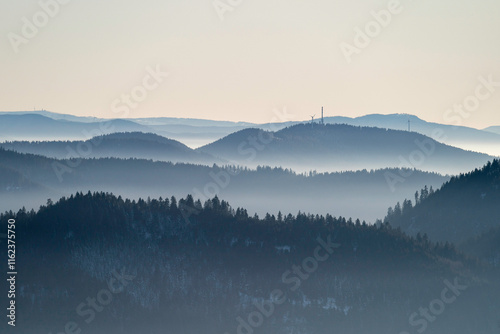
(334, 147)
(464, 207)
(485, 247)
(362, 193)
(107, 265)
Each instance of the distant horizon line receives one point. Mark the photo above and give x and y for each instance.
(202, 119)
(228, 121)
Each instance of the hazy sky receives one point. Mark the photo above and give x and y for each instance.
(262, 55)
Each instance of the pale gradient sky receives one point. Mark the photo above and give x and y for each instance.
(264, 55)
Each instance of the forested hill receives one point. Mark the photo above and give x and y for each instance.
(464, 207)
(118, 145)
(334, 147)
(196, 267)
(32, 179)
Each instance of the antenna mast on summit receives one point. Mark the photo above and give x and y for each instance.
(409, 125)
(322, 119)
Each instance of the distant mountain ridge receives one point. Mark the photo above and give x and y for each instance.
(200, 132)
(303, 147)
(38, 127)
(117, 145)
(493, 129)
(55, 116)
(460, 136)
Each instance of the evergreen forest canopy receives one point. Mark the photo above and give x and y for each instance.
(186, 260)
(28, 180)
(464, 207)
